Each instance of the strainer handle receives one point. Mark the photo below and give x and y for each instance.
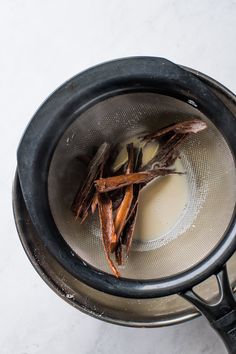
(222, 313)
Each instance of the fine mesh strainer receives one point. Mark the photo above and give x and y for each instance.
(211, 182)
(115, 102)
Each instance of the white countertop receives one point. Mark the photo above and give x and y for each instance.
(43, 43)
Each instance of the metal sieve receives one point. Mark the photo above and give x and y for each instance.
(210, 172)
(113, 102)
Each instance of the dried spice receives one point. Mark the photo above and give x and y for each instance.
(108, 184)
(129, 229)
(85, 195)
(127, 234)
(109, 237)
(189, 126)
(123, 210)
(116, 194)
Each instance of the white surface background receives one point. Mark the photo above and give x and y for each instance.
(43, 43)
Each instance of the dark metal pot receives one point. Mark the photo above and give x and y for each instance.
(132, 302)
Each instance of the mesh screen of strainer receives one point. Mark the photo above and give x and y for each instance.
(210, 176)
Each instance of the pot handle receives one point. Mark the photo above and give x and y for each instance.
(220, 314)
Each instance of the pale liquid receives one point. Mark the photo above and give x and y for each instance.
(161, 204)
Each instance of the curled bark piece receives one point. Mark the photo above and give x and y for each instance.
(189, 126)
(125, 205)
(111, 183)
(128, 232)
(129, 229)
(84, 196)
(123, 210)
(109, 237)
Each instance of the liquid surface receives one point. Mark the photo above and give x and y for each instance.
(161, 204)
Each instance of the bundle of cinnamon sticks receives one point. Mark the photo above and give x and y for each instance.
(116, 195)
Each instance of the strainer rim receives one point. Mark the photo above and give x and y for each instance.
(132, 68)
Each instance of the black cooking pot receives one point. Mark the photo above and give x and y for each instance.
(143, 83)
